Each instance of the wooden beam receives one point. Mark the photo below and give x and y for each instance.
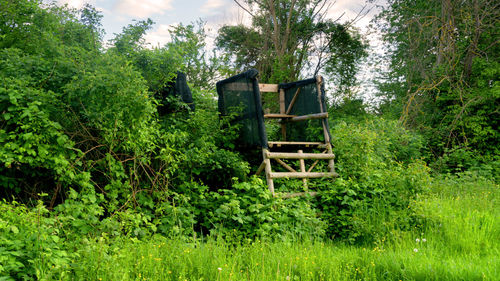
(302, 143)
(268, 88)
(319, 81)
(282, 111)
(278, 115)
(299, 175)
(309, 117)
(298, 194)
(315, 163)
(268, 170)
(331, 164)
(302, 165)
(285, 165)
(261, 168)
(288, 155)
(290, 106)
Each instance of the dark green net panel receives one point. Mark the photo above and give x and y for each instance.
(309, 101)
(239, 97)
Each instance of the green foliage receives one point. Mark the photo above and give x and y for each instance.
(380, 174)
(31, 245)
(289, 40)
(444, 73)
(188, 45)
(31, 141)
(111, 97)
(459, 243)
(81, 123)
(248, 210)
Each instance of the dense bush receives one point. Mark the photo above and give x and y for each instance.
(84, 147)
(31, 245)
(380, 174)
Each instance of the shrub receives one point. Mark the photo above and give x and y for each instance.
(379, 176)
(30, 245)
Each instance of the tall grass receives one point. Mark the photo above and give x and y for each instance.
(458, 239)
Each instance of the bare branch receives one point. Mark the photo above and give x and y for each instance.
(245, 9)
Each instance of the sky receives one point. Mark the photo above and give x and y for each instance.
(215, 13)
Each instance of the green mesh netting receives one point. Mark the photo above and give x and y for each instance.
(309, 101)
(239, 96)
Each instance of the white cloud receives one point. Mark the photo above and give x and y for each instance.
(76, 3)
(159, 36)
(143, 8)
(227, 13)
(213, 6)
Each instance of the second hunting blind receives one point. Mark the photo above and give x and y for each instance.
(303, 123)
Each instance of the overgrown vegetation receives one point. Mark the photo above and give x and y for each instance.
(105, 174)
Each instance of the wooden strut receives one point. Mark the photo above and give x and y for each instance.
(315, 163)
(331, 163)
(268, 88)
(261, 168)
(290, 106)
(319, 81)
(289, 155)
(285, 165)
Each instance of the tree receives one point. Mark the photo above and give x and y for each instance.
(290, 39)
(188, 45)
(443, 77)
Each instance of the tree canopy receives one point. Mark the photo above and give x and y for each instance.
(444, 71)
(293, 39)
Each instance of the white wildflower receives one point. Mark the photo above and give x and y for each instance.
(417, 240)
(219, 268)
(415, 250)
(424, 240)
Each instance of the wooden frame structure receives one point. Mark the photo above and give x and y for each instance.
(284, 117)
(309, 105)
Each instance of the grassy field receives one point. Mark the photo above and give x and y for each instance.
(460, 240)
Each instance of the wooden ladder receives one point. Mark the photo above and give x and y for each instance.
(303, 173)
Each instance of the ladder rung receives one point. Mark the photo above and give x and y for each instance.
(304, 143)
(277, 115)
(297, 194)
(299, 175)
(309, 117)
(288, 155)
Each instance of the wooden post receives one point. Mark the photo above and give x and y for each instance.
(282, 111)
(319, 81)
(268, 170)
(303, 170)
(331, 163)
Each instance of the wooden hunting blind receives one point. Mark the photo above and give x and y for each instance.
(302, 118)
